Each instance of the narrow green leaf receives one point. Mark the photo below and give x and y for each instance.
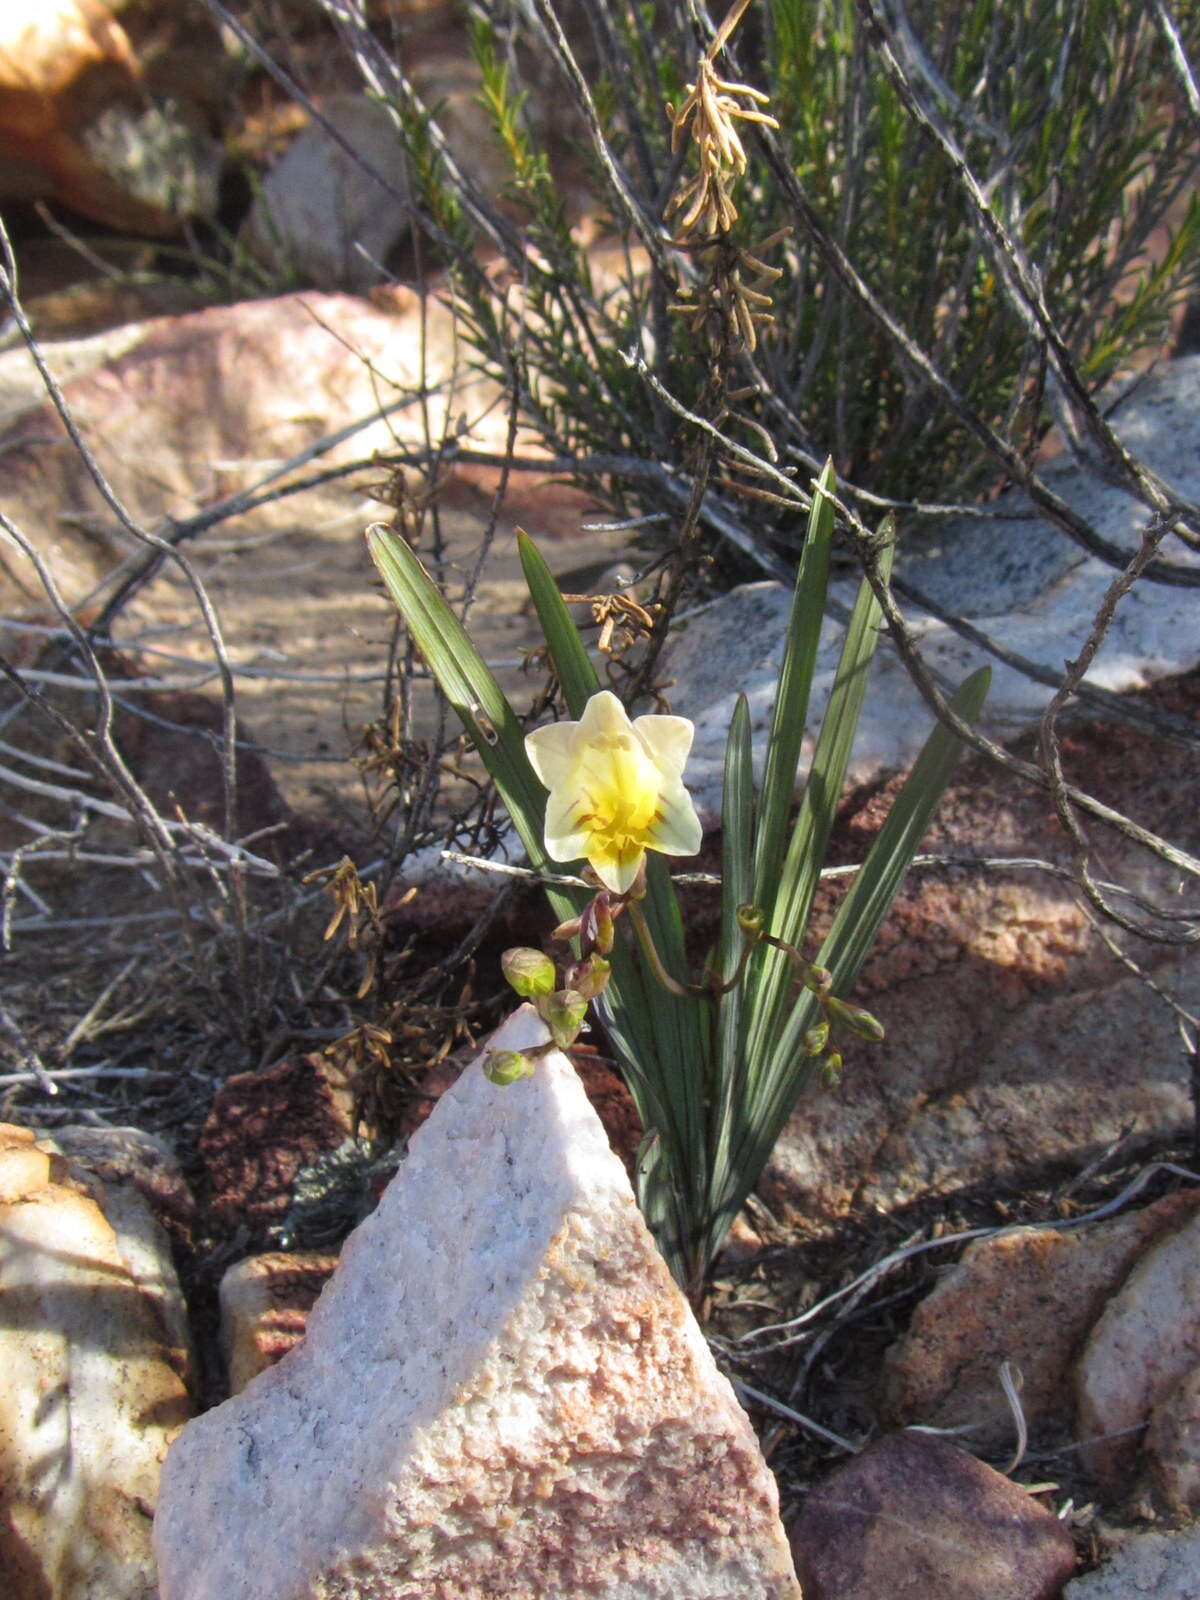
(875, 886)
(571, 661)
(468, 684)
(737, 822)
(788, 914)
(795, 683)
(769, 1103)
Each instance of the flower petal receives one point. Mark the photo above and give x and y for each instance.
(617, 871)
(676, 829)
(565, 840)
(603, 713)
(667, 741)
(551, 751)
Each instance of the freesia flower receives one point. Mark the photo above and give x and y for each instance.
(616, 789)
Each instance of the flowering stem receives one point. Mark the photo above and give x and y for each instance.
(686, 991)
(717, 989)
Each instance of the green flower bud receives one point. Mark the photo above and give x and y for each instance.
(563, 1014)
(529, 972)
(816, 1038)
(855, 1018)
(819, 980)
(831, 1070)
(749, 920)
(506, 1066)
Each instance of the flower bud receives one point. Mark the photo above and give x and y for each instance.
(855, 1018)
(749, 920)
(819, 980)
(506, 1066)
(529, 972)
(597, 924)
(816, 1038)
(589, 977)
(563, 1013)
(831, 1070)
(567, 930)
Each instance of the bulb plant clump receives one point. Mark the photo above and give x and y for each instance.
(715, 1065)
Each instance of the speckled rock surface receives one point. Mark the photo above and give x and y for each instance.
(319, 216)
(1172, 1449)
(138, 1185)
(500, 1392)
(1035, 591)
(264, 1127)
(1016, 1045)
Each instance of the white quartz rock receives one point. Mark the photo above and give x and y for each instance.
(501, 1393)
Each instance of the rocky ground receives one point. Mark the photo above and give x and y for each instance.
(960, 1310)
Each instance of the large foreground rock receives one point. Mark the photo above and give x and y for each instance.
(500, 1393)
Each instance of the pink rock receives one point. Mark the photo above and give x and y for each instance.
(501, 1392)
(1028, 1297)
(195, 405)
(265, 1302)
(1173, 1449)
(1146, 1343)
(915, 1516)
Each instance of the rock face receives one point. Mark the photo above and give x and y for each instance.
(136, 1181)
(319, 215)
(89, 1395)
(500, 1393)
(1145, 1344)
(915, 1516)
(1016, 1046)
(1172, 1449)
(1028, 1297)
(231, 384)
(1035, 590)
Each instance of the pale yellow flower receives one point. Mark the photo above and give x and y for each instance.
(616, 789)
